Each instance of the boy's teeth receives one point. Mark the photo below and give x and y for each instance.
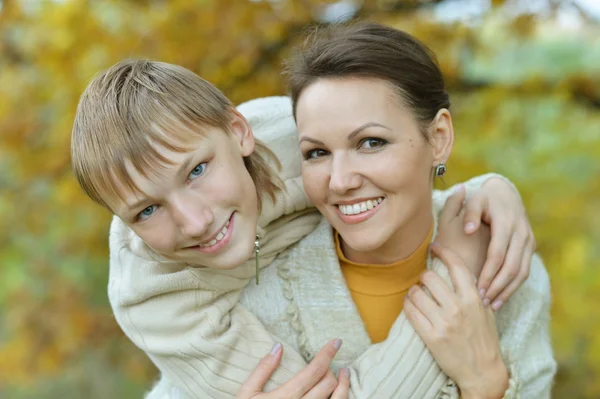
(218, 238)
(359, 207)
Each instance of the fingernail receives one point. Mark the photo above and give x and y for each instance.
(337, 343)
(497, 304)
(346, 372)
(434, 244)
(482, 293)
(458, 188)
(486, 302)
(470, 227)
(275, 349)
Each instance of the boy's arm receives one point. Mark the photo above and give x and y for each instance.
(189, 322)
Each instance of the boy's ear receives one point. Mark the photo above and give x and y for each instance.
(242, 133)
(441, 133)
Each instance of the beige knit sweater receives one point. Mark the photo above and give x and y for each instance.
(190, 321)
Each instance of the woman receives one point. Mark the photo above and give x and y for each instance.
(374, 126)
(186, 212)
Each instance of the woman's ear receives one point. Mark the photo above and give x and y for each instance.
(242, 133)
(441, 134)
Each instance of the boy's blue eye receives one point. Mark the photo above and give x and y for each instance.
(146, 213)
(197, 171)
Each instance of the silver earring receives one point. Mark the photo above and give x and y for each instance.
(256, 251)
(440, 170)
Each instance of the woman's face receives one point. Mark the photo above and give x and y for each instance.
(367, 167)
(202, 209)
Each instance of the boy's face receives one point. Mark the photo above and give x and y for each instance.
(202, 209)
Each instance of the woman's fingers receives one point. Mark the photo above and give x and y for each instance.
(417, 319)
(475, 208)
(343, 388)
(461, 277)
(453, 205)
(314, 372)
(514, 285)
(259, 377)
(510, 269)
(426, 305)
(440, 290)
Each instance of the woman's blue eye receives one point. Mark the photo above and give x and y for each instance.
(312, 154)
(147, 212)
(371, 143)
(197, 171)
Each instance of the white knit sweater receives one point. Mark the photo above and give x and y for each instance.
(205, 343)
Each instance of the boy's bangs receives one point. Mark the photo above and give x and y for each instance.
(141, 152)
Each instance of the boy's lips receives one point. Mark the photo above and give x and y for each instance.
(219, 240)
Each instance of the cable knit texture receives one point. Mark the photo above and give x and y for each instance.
(207, 329)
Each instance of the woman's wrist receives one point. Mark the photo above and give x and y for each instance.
(490, 385)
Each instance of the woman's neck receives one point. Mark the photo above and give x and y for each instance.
(403, 243)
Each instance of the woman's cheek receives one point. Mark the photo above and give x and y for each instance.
(312, 181)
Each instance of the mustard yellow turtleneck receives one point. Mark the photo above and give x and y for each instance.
(378, 290)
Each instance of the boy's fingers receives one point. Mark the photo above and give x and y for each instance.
(509, 270)
(323, 388)
(474, 209)
(517, 282)
(259, 377)
(314, 372)
(453, 205)
(343, 388)
(495, 254)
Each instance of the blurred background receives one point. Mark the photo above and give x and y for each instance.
(524, 78)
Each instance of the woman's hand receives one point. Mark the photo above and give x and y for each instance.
(509, 254)
(315, 381)
(471, 248)
(458, 329)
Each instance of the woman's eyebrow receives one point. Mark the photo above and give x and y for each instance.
(363, 127)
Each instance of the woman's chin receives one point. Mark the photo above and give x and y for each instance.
(359, 244)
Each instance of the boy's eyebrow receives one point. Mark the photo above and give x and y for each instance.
(130, 208)
(183, 168)
(185, 165)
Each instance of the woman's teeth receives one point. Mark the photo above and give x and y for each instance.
(218, 238)
(360, 207)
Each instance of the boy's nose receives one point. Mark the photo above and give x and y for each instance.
(193, 217)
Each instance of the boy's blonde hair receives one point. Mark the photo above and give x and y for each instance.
(135, 105)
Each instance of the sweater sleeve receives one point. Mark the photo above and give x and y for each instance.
(523, 323)
(188, 319)
(382, 371)
(189, 322)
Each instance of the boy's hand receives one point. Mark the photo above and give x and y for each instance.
(513, 243)
(315, 381)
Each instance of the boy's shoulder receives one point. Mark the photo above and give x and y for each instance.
(272, 123)
(271, 118)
